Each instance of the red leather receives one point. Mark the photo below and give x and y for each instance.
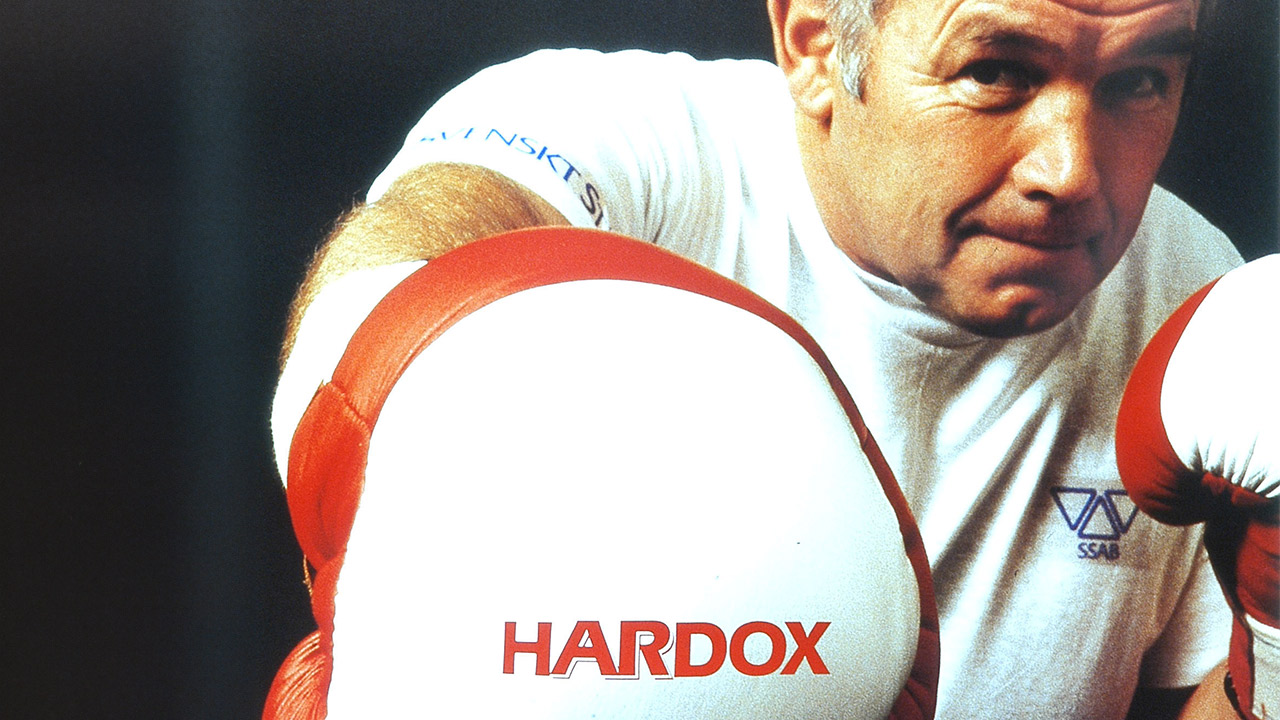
(298, 691)
(1242, 533)
(330, 445)
(1152, 472)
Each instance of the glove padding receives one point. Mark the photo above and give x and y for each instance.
(569, 429)
(1198, 440)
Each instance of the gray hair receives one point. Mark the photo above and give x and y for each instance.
(852, 21)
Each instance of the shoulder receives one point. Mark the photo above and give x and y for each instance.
(1171, 226)
(682, 67)
(1175, 252)
(611, 140)
(627, 77)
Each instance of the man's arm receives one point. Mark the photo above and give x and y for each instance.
(1158, 703)
(1210, 699)
(424, 214)
(1207, 701)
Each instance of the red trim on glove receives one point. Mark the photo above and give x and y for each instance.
(1151, 471)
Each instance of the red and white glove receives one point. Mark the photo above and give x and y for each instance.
(560, 448)
(1198, 440)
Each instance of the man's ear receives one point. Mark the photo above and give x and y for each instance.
(805, 46)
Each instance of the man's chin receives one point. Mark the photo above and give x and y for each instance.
(1003, 309)
(1009, 329)
(1013, 321)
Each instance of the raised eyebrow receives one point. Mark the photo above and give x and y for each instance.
(1181, 42)
(1011, 40)
(985, 32)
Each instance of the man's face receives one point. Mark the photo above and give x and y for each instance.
(1003, 151)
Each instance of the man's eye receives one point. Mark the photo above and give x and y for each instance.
(996, 84)
(998, 73)
(1134, 89)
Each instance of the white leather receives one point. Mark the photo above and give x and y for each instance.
(1221, 397)
(610, 451)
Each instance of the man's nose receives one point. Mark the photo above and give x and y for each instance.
(1060, 149)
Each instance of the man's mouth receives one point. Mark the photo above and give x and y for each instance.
(1047, 239)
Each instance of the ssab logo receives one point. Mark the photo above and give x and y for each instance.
(1099, 518)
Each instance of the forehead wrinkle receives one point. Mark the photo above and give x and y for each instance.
(1006, 28)
(1108, 8)
(1024, 33)
(1181, 41)
(1021, 27)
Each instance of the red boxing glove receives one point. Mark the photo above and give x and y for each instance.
(1198, 440)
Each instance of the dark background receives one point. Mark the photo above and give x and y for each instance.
(166, 169)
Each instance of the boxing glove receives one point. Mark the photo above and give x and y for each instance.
(1198, 440)
(560, 473)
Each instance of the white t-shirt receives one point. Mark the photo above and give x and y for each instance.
(1056, 599)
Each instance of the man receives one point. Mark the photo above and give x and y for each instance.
(956, 199)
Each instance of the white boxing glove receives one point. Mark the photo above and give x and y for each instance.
(560, 473)
(1198, 440)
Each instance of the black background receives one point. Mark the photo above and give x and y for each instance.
(166, 168)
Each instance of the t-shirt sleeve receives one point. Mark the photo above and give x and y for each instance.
(594, 134)
(1196, 637)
